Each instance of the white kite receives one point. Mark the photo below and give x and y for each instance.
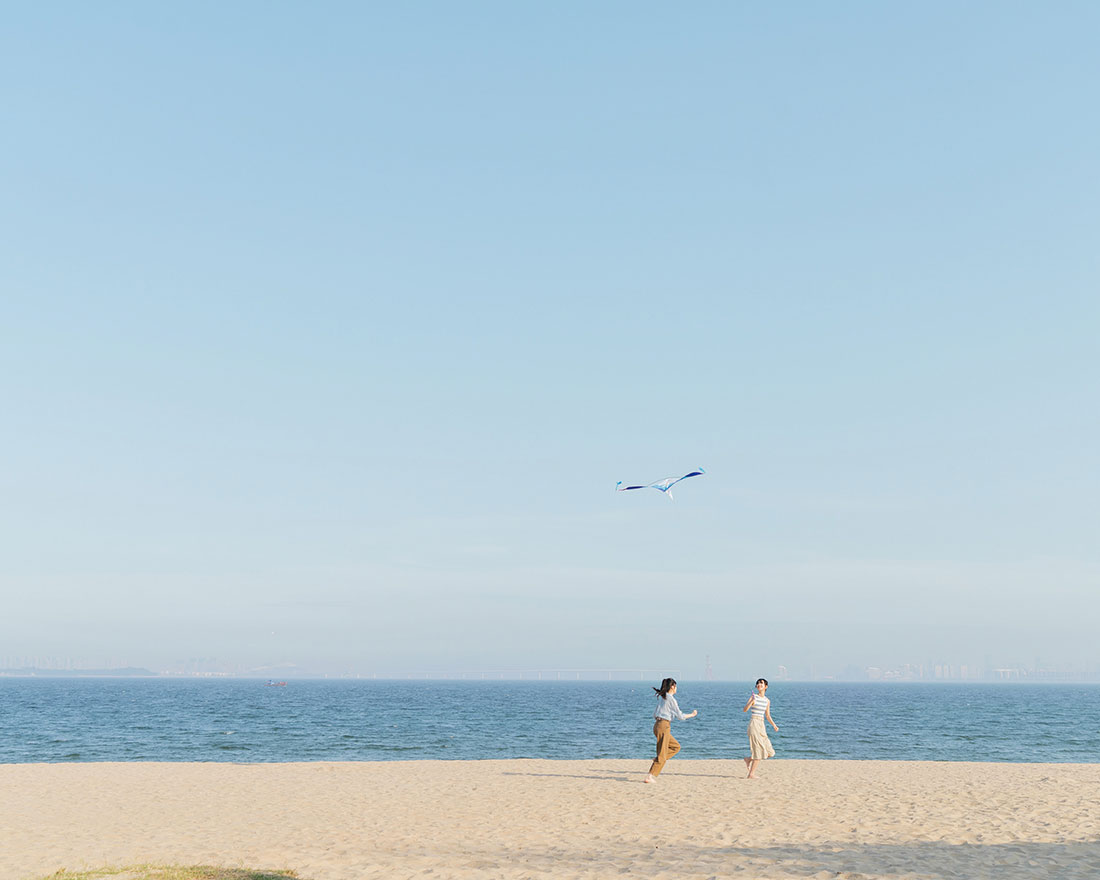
(661, 485)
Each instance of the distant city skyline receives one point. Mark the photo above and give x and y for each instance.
(899, 672)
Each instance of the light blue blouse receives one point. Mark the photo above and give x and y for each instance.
(667, 709)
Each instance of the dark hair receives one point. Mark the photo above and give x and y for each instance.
(666, 685)
(762, 680)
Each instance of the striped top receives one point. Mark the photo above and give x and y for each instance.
(759, 705)
(667, 709)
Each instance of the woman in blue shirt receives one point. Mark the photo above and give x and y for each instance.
(666, 710)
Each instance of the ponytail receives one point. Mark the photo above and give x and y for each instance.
(666, 685)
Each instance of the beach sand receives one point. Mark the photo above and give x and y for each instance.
(562, 819)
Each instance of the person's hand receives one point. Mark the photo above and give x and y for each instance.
(776, 726)
(694, 712)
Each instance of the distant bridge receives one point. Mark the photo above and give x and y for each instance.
(546, 674)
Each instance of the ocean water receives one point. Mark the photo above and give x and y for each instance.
(57, 720)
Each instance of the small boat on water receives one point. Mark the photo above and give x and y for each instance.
(271, 683)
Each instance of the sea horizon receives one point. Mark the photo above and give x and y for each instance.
(528, 679)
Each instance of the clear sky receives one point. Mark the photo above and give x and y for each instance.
(327, 329)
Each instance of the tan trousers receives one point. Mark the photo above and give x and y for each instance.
(666, 746)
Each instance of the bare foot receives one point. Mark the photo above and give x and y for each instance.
(751, 776)
(649, 778)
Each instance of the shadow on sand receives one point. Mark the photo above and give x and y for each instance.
(630, 776)
(936, 860)
(928, 860)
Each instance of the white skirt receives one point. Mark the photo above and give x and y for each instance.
(759, 743)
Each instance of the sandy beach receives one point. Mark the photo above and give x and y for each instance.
(346, 821)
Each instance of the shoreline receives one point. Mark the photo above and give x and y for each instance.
(557, 818)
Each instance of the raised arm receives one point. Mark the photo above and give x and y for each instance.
(676, 713)
(748, 705)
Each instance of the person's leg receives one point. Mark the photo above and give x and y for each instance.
(673, 744)
(757, 749)
(662, 730)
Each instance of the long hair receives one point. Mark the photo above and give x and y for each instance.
(666, 685)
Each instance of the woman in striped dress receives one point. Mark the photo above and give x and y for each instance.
(759, 744)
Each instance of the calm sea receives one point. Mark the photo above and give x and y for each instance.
(55, 720)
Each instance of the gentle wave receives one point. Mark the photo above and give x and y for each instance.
(60, 720)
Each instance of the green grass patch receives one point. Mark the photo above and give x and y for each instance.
(173, 872)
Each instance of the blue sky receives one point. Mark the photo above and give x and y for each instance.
(328, 331)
